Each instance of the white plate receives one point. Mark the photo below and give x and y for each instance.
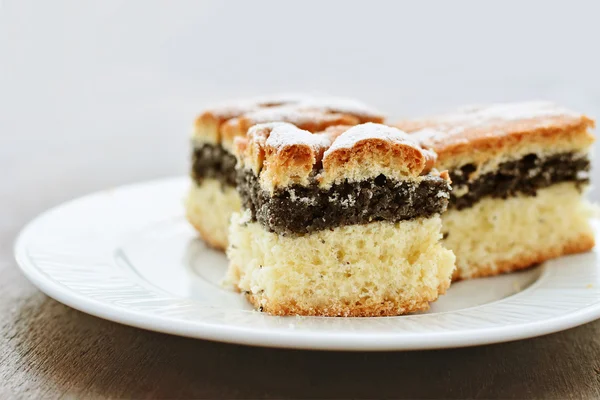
(129, 256)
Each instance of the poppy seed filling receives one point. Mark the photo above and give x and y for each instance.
(214, 162)
(300, 209)
(303, 209)
(526, 176)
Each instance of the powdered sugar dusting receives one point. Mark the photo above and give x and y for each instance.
(425, 135)
(260, 132)
(236, 108)
(285, 134)
(342, 105)
(290, 107)
(474, 116)
(368, 131)
(496, 116)
(428, 136)
(291, 114)
(508, 112)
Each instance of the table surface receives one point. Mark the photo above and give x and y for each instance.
(89, 103)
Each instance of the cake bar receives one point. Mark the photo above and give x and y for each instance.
(213, 197)
(343, 222)
(519, 172)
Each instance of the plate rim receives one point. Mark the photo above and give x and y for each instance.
(350, 341)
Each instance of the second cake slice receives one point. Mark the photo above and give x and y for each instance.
(519, 176)
(212, 197)
(339, 223)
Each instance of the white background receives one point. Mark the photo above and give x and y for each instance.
(83, 84)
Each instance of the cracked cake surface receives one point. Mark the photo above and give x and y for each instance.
(281, 154)
(221, 123)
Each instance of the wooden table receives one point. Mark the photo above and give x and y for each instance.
(48, 350)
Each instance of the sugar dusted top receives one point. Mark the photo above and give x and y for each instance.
(475, 115)
(494, 120)
(478, 133)
(371, 131)
(284, 135)
(220, 124)
(293, 114)
(234, 108)
(282, 154)
(296, 101)
(343, 105)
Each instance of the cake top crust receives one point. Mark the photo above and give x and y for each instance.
(486, 131)
(233, 108)
(369, 131)
(283, 135)
(222, 123)
(282, 154)
(311, 120)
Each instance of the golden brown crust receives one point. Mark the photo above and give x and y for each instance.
(373, 149)
(480, 133)
(360, 308)
(310, 112)
(385, 309)
(282, 154)
(581, 244)
(234, 108)
(333, 132)
(308, 120)
(342, 105)
(207, 125)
